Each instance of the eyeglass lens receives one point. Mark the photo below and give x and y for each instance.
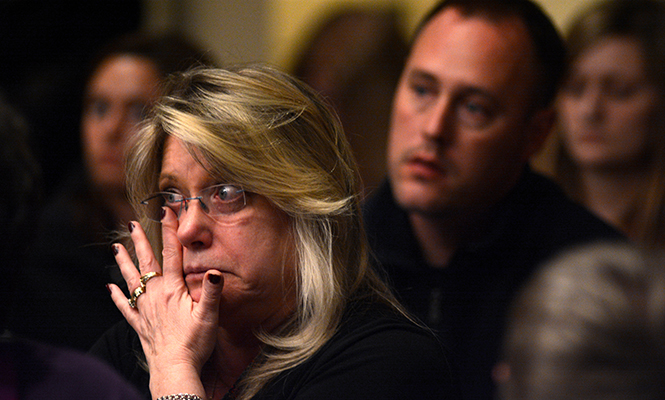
(216, 201)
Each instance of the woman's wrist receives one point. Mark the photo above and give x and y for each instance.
(180, 396)
(169, 382)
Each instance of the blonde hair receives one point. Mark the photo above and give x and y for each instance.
(269, 133)
(590, 325)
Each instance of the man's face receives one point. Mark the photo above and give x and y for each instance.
(461, 129)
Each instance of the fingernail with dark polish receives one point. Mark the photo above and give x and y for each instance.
(214, 279)
(108, 288)
(131, 227)
(162, 213)
(114, 249)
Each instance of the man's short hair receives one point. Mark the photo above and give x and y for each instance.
(549, 48)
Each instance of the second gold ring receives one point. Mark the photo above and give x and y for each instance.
(145, 278)
(135, 295)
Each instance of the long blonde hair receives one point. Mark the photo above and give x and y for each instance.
(259, 128)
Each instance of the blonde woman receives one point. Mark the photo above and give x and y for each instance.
(252, 279)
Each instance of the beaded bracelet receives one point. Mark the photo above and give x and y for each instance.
(180, 396)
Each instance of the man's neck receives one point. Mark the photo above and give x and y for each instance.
(438, 237)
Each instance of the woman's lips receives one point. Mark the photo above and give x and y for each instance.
(198, 272)
(591, 135)
(195, 275)
(195, 272)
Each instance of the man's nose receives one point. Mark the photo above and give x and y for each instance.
(438, 120)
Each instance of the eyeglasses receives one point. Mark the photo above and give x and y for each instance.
(216, 201)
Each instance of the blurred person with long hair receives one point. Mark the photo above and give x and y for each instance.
(611, 156)
(69, 259)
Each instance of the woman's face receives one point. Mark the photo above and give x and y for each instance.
(117, 97)
(607, 104)
(253, 247)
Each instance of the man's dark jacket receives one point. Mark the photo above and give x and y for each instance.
(466, 302)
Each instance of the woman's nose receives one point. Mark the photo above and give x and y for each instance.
(184, 205)
(591, 103)
(194, 225)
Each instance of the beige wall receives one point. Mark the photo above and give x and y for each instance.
(290, 19)
(272, 30)
(232, 30)
(303, 16)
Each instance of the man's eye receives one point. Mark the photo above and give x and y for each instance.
(474, 114)
(421, 90)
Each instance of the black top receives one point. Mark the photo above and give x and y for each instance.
(376, 354)
(62, 296)
(466, 302)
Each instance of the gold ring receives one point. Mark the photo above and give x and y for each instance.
(137, 293)
(145, 278)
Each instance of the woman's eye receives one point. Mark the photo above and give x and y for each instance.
(620, 90)
(228, 193)
(227, 199)
(172, 198)
(574, 87)
(97, 108)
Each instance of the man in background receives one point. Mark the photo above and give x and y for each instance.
(462, 221)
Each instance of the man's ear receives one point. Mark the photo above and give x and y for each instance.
(539, 128)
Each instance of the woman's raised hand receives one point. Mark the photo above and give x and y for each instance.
(177, 334)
